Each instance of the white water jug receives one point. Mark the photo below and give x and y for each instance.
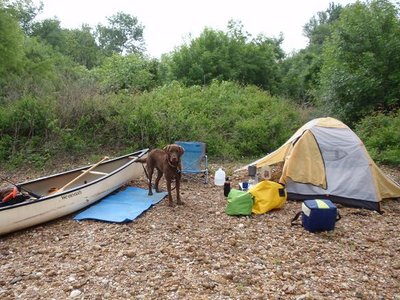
(219, 178)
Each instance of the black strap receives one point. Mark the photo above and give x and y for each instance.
(292, 223)
(145, 171)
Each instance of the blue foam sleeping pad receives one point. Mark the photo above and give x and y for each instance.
(124, 206)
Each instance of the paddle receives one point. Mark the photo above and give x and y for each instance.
(55, 190)
(19, 188)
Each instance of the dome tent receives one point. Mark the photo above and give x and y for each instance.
(326, 159)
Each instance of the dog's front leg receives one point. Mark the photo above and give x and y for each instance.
(170, 203)
(178, 194)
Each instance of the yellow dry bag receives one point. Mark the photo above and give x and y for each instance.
(267, 195)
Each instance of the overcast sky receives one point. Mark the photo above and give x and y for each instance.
(168, 23)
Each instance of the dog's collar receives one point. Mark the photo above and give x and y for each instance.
(173, 166)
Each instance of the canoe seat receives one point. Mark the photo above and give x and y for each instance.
(96, 172)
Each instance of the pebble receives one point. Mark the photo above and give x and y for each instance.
(130, 253)
(15, 280)
(244, 257)
(75, 293)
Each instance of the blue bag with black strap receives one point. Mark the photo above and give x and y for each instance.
(318, 215)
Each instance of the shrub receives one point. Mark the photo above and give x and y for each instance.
(381, 136)
(233, 120)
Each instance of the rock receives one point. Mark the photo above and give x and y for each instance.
(130, 253)
(396, 265)
(51, 273)
(75, 293)
(196, 251)
(15, 280)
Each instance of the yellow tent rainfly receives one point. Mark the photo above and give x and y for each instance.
(326, 159)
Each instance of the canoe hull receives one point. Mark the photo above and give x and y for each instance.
(37, 211)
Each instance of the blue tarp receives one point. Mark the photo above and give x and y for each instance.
(121, 207)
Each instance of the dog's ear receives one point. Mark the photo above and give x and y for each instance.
(181, 150)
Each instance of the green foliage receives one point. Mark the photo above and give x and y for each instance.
(300, 71)
(361, 71)
(82, 48)
(37, 74)
(11, 50)
(130, 73)
(62, 93)
(319, 28)
(78, 44)
(24, 128)
(5, 147)
(71, 142)
(381, 136)
(49, 31)
(300, 75)
(24, 11)
(39, 65)
(234, 121)
(231, 56)
(124, 34)
(26, 118)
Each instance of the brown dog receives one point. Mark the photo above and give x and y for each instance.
(168, 163)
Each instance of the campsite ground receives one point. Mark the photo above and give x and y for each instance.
(196, 251)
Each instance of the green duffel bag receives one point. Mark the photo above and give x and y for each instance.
(239, 203)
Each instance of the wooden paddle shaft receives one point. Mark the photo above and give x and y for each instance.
(84, 173)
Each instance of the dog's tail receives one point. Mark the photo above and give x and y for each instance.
(142, 160)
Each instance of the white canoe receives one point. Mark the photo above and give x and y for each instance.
(86, 185)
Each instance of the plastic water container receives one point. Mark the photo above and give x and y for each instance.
(219, 177)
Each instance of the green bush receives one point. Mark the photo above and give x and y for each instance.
(234, 121)
(5, 147)
(381, 136)
(24, 126)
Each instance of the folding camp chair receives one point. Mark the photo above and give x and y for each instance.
(194, 160)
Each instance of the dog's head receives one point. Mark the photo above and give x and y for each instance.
(174, 152)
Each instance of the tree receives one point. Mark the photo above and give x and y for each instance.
(80, 45)
(123, 35)
(361, 70)
(130, 73)
(261, 63)
(300, 71)
(25, 11)
(300, 75)
(319, 28)
(11, 45)
(216, 55)
(203, 60)
(49, 31)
